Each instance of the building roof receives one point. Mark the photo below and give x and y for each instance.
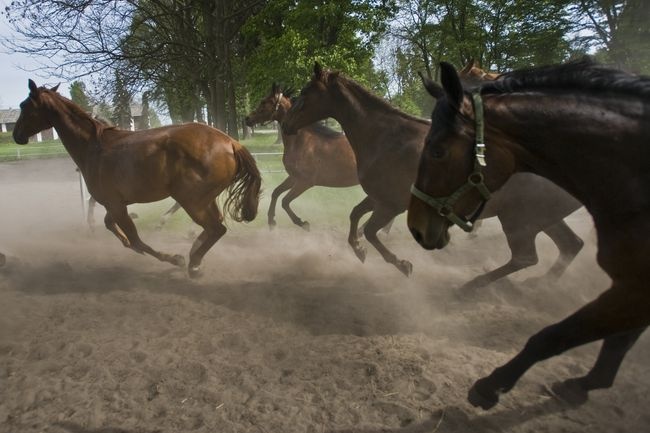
(9, 115)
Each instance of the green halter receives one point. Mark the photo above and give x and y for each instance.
(445, 205)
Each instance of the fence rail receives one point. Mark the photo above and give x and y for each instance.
(268, 162)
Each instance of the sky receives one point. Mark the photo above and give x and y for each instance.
(16, 69)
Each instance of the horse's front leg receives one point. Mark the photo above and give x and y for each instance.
(298, 188)
(365, 206)
(620, 310)
(379, 218)
(123, 227)
(284, 186)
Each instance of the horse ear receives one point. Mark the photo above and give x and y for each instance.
(274, 88)
(33, 88)
(55, 88)
(318, 70)
(451, 84)
(468, 67)
(432, 87)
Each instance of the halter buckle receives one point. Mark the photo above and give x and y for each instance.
(480, 154)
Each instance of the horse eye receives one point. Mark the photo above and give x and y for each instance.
(437, 152)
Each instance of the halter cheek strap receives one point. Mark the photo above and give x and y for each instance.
(445, 205)
(277, 103)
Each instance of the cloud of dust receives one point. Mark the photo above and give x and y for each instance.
(310, 280)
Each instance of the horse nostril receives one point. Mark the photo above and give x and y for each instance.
(416, 235)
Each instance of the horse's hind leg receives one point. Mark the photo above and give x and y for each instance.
(618, 311)
(130, 238)
(298, 188)
(210, 219)
(378, 219)
(112, 226)
(366, 205)
(569, 245)
(284, 186)
(524, 254)
(603, 373)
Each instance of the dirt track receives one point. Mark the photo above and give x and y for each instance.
(285, 332)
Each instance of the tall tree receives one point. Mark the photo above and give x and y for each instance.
(78, 95)
(288, 35)
(617, 28)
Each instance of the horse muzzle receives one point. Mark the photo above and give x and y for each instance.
(430, 242)
(19, 138)
(429, 229)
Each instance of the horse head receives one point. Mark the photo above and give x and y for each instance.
(314, 103)
(452, 184)
(33, 113)
(273, 106)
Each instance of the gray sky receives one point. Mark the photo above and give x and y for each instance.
(15, 69)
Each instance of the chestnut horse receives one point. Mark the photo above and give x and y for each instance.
(586, 128)
(315, 156)
(388, 143)
(472, 72)
(90, 216)
(193, 163)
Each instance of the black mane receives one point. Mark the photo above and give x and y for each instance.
(584, 74)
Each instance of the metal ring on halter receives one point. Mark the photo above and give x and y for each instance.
(475, 178)
(445, 210)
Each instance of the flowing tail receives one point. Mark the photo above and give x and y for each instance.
(244, 190)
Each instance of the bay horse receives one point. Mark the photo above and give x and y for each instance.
(193, 163)
(315, 156)
(388, 142)
(585, 127)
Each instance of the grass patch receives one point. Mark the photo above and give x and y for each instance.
(261, 142)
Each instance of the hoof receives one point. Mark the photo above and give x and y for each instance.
(361, 254)
(570, 392)
(178, 260)
(479, 396)
(272, 224)
(194, 271)
(305, 226)
(405, 267)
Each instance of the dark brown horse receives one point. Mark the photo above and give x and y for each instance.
(315, 156)
(586, 128)
(192, 163)
(388, 143)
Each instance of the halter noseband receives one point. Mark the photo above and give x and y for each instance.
(445, 205)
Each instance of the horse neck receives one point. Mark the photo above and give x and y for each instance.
(364, 116)
(76, 129)
(561, 137)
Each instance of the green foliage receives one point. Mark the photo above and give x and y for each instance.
(287, 36)
(78, 95)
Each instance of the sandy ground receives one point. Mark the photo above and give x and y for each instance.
(285, 332)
